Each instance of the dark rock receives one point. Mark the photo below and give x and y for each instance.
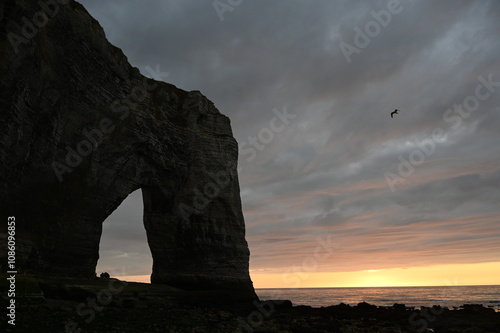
(476, 308)
(63, 292)
(81, 129)
(79, 294)
(437, 308)
(130, 303)
(365, 306)
(303, 307)
(399, 307)
(343, 306)
(282, 304)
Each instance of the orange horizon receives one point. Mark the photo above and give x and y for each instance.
(479, 274)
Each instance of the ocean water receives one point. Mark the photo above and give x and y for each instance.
(452, 296)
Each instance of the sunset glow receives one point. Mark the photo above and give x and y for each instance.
(441, 275)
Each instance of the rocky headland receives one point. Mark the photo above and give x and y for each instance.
(81, 129)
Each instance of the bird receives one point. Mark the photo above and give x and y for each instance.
(394, 112)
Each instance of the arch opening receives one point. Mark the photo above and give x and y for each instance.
(123, 247)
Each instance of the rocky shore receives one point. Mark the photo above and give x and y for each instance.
(114, 306)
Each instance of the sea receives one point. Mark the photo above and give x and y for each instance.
(417, 297)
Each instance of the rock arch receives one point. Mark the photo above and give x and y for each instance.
(82, 129)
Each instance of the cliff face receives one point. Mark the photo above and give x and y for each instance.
(80, 129)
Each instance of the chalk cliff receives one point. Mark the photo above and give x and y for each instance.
(80, 129)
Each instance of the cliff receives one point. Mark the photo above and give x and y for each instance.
(80, 129)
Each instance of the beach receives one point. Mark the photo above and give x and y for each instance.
(79, 307)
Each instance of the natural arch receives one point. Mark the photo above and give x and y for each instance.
(123, 248)
(82, 129)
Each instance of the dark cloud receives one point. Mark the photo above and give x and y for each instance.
(325, 172)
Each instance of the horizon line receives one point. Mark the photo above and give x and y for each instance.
(441, 286)
(344, 287)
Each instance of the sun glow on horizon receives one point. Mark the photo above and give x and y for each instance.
(439, 275)
(135, 278)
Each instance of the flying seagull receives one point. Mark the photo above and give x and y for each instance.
(394, 112)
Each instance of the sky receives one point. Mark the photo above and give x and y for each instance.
(335, 192)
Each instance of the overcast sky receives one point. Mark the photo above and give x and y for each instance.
(419, 189)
